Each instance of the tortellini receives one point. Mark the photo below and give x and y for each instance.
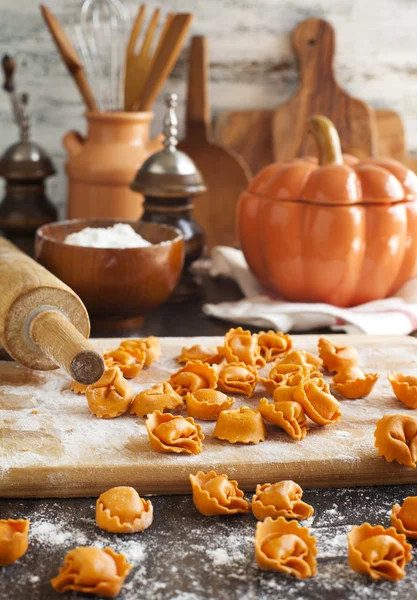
(378, 552)
(174, 433)
(92, 571)
(217, 495)
(241, 346)
(287, 414)
(198, 352)
(337, 358)
(122, 510)
(207, 404)
(404, 518)
(13, 540)
(352, 383)
(273, 344)
(396, 439)
(242, 425)
(282, 499)
(285, 546)
(317, 402)
(130, 363)
(193, 376)
(110, 396)
(149, 345)
(238, 378)
(160, 396)
(405, 388)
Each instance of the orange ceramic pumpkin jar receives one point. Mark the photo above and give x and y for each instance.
(337, 230)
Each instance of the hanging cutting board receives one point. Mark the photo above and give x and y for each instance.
(391, 135)
(226, 175)
(251, 132)
(319, 93)
(50, 445)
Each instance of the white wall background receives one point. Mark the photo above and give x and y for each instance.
(252, 64)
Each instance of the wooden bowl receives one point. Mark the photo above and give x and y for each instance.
(114, 283)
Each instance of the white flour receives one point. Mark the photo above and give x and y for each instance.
(120, 235)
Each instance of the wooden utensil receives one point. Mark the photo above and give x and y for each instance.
(84, 460)
(226, 175)
(137, 65)
(70, 58)
(43, 323)
(319, 93)
(164, 60)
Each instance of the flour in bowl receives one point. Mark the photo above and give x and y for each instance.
(120, 235)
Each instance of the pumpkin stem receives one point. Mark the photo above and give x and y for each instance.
(327, 140)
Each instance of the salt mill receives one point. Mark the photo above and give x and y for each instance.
(25, 166)
(169, 181)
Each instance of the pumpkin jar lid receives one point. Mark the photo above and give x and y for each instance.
(335, 178)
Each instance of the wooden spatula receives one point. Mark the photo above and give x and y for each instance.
(314, 41)
(137, 65)
(226, 175)
(70, 58)
(164, 59)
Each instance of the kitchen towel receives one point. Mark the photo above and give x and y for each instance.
(395, 315)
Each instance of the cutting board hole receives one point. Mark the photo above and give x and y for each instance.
(311, 42)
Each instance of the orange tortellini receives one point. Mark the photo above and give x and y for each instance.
(405, 388)
(282, 499)
(78, 388)
(130, 363)
(242, 425)
(285, 546)
(378, 552)
(238, 378)
(303, 358)
(13, 540)
(207, 404)
(122, 510)
(193, 376)
(217, 495)
(160, 396)
(92, 571)
(352, 383)
(404, 518)
(273, 344)
(287, 414)
(317, 401)
(336, 358)
(110, 396)
(241, 346)
(284, 375)
(198, 352)
(174, 433)
(150, 346)
(396, 439)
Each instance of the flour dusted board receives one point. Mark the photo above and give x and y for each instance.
(62, 450)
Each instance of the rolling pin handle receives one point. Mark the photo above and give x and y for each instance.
(54, 334)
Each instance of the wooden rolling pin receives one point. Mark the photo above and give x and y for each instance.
(43, 323)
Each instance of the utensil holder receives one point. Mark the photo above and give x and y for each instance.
(102, 164)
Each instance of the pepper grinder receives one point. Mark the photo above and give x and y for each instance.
(25, 166)
(169, 181)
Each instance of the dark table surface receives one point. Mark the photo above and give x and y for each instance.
(186, 556)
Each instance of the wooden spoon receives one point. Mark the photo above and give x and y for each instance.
(70, 58)
(226, 175)
(164, 59)
(137, 65)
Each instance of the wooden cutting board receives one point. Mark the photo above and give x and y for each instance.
(319, 93)
(50, 445)
(262, 136)
(226, 175)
